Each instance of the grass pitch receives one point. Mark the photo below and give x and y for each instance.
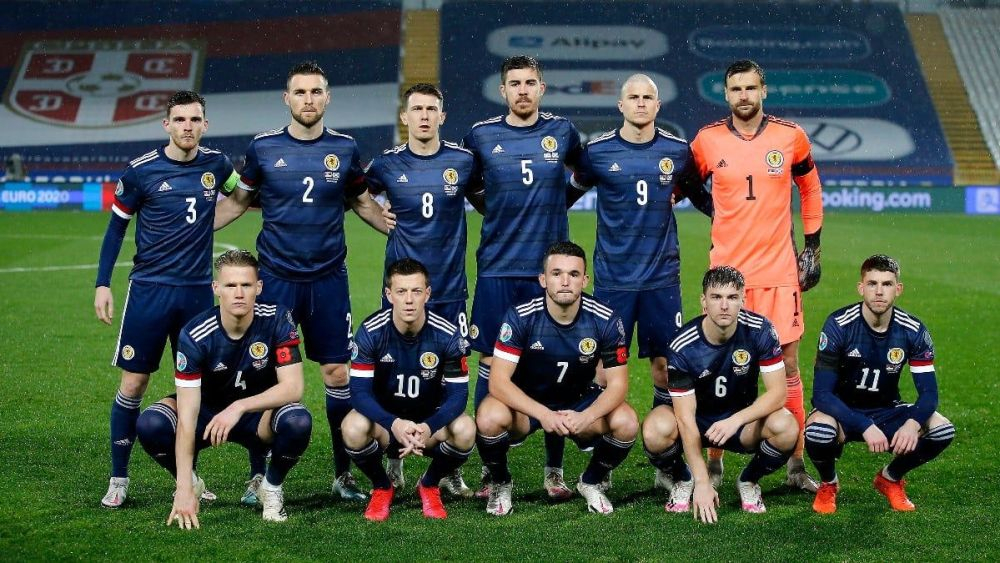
(56, 387)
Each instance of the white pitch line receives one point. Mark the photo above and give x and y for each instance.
(88, 266)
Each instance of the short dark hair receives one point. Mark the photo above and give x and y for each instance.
(745, 65)
(236, 257)
(183, 98)
(518, 62)
(564, 248)
(421, 88)
(406, 267)
(721, 276)
(306, 67)
(880, 262)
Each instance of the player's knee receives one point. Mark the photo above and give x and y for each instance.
(133, 385)
(493, 417)
(334, 375)
(821, 433)
(820, 417)
(624, 423)
(660, 427)
(156, 428)
(355, 430)
(782, 428)
(463, 432)
(940, 430)
(293, 420)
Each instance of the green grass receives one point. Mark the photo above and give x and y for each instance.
(56, 387)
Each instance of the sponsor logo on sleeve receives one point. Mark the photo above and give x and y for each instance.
(182, 361)
(506, 332)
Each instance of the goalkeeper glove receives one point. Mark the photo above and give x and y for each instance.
(809, 264)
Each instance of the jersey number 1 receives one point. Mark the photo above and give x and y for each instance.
(750, 196)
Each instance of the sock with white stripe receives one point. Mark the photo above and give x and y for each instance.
(767, 460)
(482, 385)
(661, 396)
(609, 453)
(124, 413)
(157, 431)
(493, 450)
(369, 461)
(671, 462)
(928, 447)
(292, 426)
(823, 450)
(338, 404)
(445, 458)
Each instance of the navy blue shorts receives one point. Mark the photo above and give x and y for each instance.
(154, 313)
(588, 399)
(888, 419)
(323, 310)
(657, 312)
(244, 433)
(452, 311)
(494, 296)
(733, 444)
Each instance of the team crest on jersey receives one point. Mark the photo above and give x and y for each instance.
(182, 361)
(550, 146)
(666, 166)
(741, 357)
(429, 360)
(450, 176)
(101, 83)
(208, 180)
(332, 162)
(823, 341)
(258, 350)
(128, 352)
(774, 160)
(896, 355)
(588, 346)
(505, 332)
(474, 331)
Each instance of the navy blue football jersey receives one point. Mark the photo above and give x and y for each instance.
(408, 373)
(868, 363)
(524, 176)
(228, 370)
(637, 245)
(723, 378)
(303, 188)
(556, 363)
(175, 207)
(427, 194)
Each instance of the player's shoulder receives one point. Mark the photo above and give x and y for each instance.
(337, 135)
(596, 307)
(752, 320)
(270, 134)
(203, 325)
(486, 123)
(391, 151)
(530, 308)
(440, 324)
(603, 138)
(844, 316)
(664, 134)
(715, 127)
(455, 147)
(376, 321)
(552, 118)
(687, 334)
(144, 160)
(906, 320)
(783, 122)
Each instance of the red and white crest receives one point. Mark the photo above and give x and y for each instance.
(102, 83)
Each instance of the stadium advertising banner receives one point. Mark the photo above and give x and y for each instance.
(86, 92)
(846, 72)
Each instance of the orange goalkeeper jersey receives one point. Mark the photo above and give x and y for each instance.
(751, 191)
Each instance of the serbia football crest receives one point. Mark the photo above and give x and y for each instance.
(102, 83)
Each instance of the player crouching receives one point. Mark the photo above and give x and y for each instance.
(545, 359)
(860, 357)
(714, 364)
(239, 379)
(409, 386)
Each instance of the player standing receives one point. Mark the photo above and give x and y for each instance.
(752, 159)
(239, 379)
(636, 170)
(304, 175)
(523, 156)
(546, 358)
(427, 181)
(860, 358)
(716, 361)
(409, 387)
(171, 191)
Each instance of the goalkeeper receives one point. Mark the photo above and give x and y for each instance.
(752, 159)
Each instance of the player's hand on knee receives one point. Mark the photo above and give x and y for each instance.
(905, 439)
(217, 430)
(576, 422)
(704, 502)
(104, 304)
(876, 440)
(722, 430)
(555, 423)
